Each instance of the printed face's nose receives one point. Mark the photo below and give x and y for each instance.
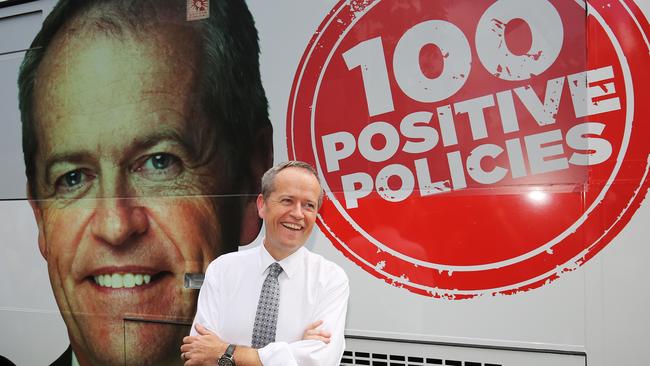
(117, 219)
(118, 214)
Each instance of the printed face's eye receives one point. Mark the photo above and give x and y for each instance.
(72, 180)
(161, 161)
(159, 167)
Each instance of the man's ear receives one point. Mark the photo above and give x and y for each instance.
(260, 206)
(38, 215)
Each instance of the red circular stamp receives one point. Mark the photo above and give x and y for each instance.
(471, 148)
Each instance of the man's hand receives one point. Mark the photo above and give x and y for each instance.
(203, 349)
(317, 334)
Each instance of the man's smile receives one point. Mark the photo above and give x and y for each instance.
(292, 226)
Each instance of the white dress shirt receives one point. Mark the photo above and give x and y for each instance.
(311, 289)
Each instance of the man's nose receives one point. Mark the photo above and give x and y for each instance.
(117, 219)
(297, 211)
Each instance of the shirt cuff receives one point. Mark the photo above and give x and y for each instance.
(276, 354)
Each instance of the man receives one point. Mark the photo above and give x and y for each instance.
(144, 138)
(307, 327)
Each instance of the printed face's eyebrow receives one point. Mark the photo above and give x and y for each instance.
(72, 157)
(150, 140)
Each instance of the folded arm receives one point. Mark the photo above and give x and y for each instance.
(323, 341)
(322, 344)
(205, 348)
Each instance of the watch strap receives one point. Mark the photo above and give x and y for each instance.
(230, 351)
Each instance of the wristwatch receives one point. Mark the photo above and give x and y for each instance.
(227, 358)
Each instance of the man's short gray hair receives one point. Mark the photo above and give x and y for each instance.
(268, 179)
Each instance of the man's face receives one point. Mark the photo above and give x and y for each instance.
(122, 205)
(290, 211)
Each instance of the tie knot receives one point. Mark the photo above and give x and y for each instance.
(275, 269)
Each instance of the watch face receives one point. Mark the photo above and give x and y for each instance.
(223, 361)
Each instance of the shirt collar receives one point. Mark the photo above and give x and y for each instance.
(289, 264)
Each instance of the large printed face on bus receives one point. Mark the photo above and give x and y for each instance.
(121, 200)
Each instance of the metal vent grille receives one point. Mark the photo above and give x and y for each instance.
(351, 358)
(374, 351)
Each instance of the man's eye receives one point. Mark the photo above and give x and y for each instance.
(310, 207)
(160, 167)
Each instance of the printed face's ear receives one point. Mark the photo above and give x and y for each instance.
(260, 160)
(38, 215)
(251, 223)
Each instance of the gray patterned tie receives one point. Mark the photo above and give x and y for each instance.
(266, 316)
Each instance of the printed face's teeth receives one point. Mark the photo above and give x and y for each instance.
(120, 280)
(291, 226)
(117, 280)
